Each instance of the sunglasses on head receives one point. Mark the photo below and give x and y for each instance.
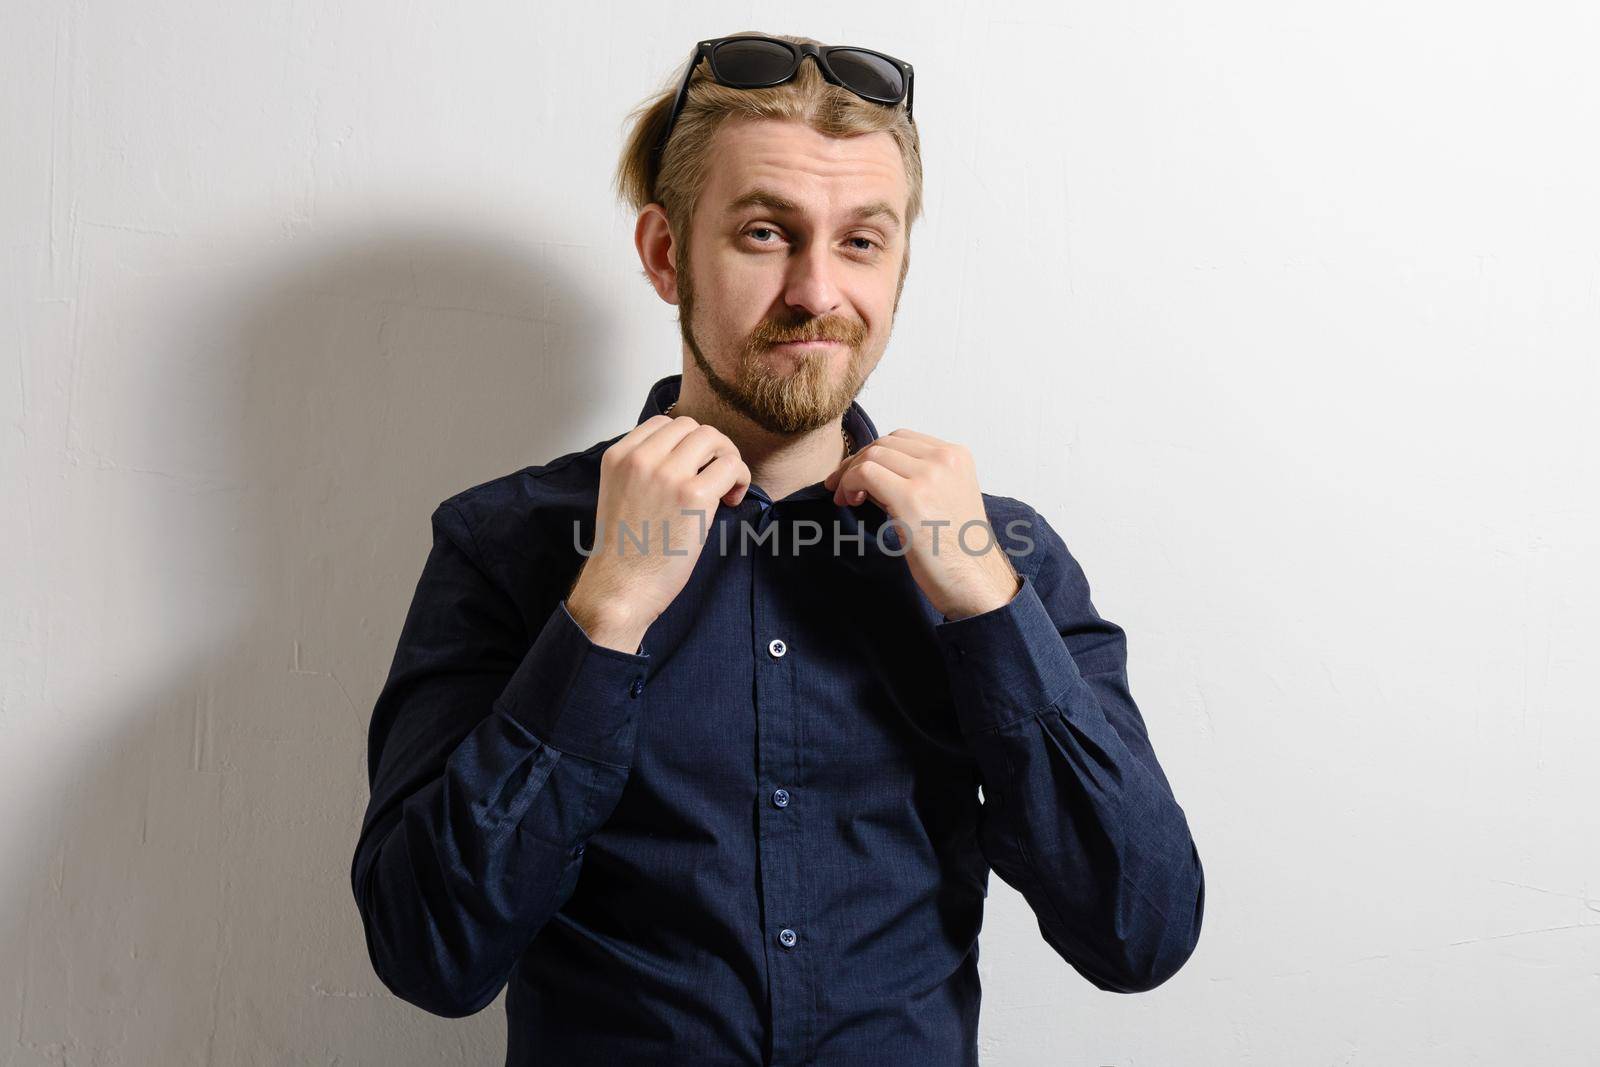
(752, 62)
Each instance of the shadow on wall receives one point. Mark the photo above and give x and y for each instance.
(188, 899)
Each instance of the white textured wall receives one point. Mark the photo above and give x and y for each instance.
(1287, 314)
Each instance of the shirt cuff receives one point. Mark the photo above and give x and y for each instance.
(1005, 664)
(576, 696)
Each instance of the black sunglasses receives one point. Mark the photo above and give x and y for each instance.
(751, 62)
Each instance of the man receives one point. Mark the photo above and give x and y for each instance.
(702, 802)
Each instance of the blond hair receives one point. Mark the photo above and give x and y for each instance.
(675, 178)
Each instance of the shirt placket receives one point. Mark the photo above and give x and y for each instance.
(781, 804)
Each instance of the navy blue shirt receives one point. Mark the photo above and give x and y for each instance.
(760, 838)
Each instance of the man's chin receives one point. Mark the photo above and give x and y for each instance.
(799, 418)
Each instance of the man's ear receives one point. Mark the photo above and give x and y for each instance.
(905, 267)
(658, 250)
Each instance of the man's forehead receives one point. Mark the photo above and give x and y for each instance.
(790, 168)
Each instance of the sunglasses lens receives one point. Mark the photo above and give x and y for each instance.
(871, 76)
(752, 64)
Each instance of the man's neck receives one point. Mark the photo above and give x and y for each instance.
(779, 463)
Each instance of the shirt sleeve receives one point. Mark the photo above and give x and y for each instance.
(1077, 814)
(492, 759)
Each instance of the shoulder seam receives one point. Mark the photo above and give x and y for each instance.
(571, 457)
(472, 535)
(482, 563)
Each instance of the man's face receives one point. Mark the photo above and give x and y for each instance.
(797, 237)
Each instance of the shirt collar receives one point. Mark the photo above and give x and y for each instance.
(862, 431)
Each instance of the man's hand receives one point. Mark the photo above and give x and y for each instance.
(661, 469)
(931, 487)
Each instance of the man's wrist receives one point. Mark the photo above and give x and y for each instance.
(605, 624)
(1004, 591)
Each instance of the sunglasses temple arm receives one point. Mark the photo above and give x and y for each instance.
(677, 102)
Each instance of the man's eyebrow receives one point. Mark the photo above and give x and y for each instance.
(779, 203)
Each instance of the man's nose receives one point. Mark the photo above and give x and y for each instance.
(813, 282)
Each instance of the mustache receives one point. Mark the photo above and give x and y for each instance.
(773, 336)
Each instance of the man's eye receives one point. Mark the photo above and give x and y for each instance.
(871, 245)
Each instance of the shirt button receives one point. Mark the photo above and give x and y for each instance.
(777, 648)
(637, 687)
(787, 937)
(781, 798)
